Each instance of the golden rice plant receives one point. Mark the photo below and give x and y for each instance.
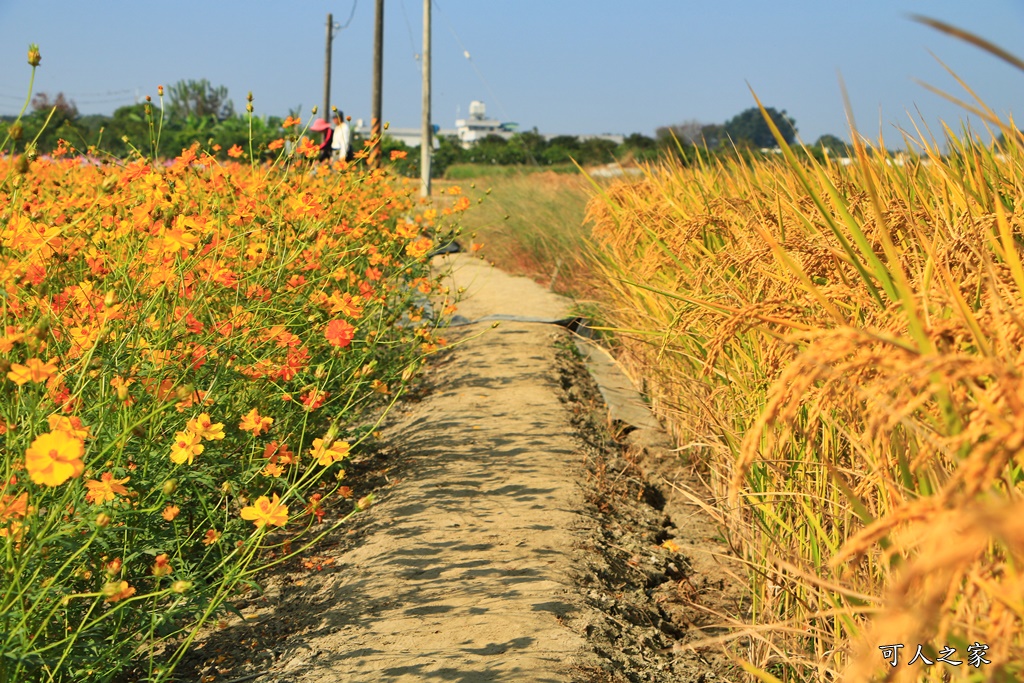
(841, 347)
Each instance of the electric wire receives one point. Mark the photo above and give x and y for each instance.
(408, 26)
(350, 15)
(469, 59)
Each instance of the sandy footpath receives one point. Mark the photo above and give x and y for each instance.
(468, 571)
(497, 551)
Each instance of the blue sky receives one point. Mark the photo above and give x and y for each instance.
(562, 66)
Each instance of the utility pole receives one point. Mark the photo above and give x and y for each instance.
(327, 71)
(426, 139)
(378, 66)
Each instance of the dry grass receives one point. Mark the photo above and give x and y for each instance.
(531, 224)
(842, 348)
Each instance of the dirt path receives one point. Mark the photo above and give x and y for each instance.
(495, 553)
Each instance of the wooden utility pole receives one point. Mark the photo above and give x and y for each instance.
(378, 67)
(426, 139)
(325, 114)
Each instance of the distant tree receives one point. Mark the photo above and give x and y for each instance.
(835, 146)
(750, 125)
(66, 109)
(198, 99)
(689, 132)
(639, 141)
(531, 143)
(711, 135)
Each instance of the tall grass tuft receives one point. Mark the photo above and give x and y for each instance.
(840, 346)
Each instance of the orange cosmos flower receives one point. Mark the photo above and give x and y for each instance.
(291, 121)
(255, 423)
(345, 304)
(266, 511)
(117, 590)
(339, 333)
(204, 428)
(307, 148)
(272, 470)
(211, 537)
(106, 489)
(170, 512)
(70, 425)
(34, 370)
(276, 144)
(419, 248)
(398, 154)
(54, 457)
(329, 455)
(12, 509)
(314, 398)
(278, 453)
(186, 447)
(315, 507)
(235, 151)
(162, 567)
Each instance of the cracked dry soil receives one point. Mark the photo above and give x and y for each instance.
(515, 539)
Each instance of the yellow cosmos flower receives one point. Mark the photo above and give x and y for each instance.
(204, 428)
(105, 489)
(255, 423)
(266, 511)
(186, 447)
(336, 452)
(34, 370)
(54, 457)
(117, 590)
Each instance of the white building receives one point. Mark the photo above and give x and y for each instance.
(478, 126)
(470, 130)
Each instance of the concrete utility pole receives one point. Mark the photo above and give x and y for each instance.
(426, 139)
(326, 113)
(378, 66)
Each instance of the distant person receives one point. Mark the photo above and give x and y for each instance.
(342, 141)
(325, 146)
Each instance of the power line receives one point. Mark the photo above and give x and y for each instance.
(350, 15)
(469, 59)
(408, 26)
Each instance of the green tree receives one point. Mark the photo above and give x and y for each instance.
(833, 145)
(750, 125)
(199, 99)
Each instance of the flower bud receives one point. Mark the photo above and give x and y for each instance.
(181, 586)
(170, 486)
(365, 502)
(33, 54)
(160, 90)
(248, 98)
(16, 130)
(103, 520)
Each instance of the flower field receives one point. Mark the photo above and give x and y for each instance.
(190, 353)
(839, 348)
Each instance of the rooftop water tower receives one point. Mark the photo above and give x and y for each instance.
(477, 110)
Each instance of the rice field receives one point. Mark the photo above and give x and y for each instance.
(839, 348)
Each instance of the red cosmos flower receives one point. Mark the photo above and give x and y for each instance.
(339, 333)
(314, 398)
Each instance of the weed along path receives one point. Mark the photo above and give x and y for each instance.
(496, 550)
